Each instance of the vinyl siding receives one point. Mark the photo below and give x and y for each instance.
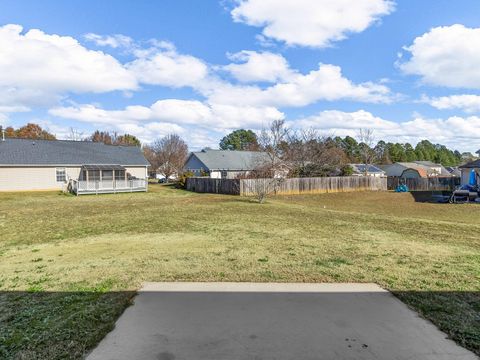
(33, 178)
(138, 172)
(44, 178)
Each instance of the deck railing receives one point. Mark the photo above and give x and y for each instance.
(79, 187)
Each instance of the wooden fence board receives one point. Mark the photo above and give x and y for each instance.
(430, 184)
(297, 186)
(214, 186)
(293, 186)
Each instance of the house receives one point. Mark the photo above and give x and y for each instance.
(467, 169)
(79, 166)
(454, 171)
(371, 170)
(416, 170)
(224, 164)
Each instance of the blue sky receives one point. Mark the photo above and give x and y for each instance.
(407, 69)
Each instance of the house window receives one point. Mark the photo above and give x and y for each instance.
(223, 174)
(107, 174)
(119, 174)
(93, 175)
(61, 176)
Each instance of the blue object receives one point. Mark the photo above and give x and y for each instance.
(473, 178)
(402, 188)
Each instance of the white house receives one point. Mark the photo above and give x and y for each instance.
(416, 169)
(371, 170)
(79, 166)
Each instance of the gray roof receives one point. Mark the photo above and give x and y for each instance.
(371, 168)
(63, 152)
(426, 163)
(230, 159)
(471, 165)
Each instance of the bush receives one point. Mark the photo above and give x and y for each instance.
(182, 179)
(346, 170)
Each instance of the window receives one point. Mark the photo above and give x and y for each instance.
(107, 174)
(224, 174)
(61, 176)
(93, 175)
(119, 174)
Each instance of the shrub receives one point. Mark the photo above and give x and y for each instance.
(182, 179)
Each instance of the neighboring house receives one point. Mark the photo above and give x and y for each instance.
(415, 169)
(80, 166)
(454, 171)
(467, 169)
(224, 164)
(372, 170)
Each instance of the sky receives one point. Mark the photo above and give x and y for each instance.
(408, 69)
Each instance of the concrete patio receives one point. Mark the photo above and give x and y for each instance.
(176, 321)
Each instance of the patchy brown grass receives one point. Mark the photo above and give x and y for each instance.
(64, 260)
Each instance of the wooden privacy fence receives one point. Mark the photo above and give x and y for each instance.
(293, 186)
(214, 186)
(430, 184)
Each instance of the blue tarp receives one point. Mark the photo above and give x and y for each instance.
(473, 178)
(402, 188)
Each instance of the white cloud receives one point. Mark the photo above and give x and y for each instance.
(148, 122)
(43, 65)
(5, 110)
(326, 83)
(314, 23)
(456, 132)
(255, 67)
(114, 41)
(162, 65)
(465, 102)
(446, 56)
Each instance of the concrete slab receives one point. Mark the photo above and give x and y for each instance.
(200, 321)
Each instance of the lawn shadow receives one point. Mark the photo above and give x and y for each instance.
(434, 197)
(57, 325)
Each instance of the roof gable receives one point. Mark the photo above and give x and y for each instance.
(64, 152)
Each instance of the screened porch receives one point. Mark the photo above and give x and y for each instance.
(98, 179)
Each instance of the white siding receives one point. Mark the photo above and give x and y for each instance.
(139, 171)
(215, 174)
(34, 178)
(44, 178)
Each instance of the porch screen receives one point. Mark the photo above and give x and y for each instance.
(93, 175)
(119, 174)
(107, 174)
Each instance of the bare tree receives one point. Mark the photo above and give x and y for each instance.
(269, 166)
(170, 155)
(301, 147)
(75, 135)
(366, 140)
(273, 141)
(151, 156)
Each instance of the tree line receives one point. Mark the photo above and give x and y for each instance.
(308, 146)
(35, 131)
(304, 152)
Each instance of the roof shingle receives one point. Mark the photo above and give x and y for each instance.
(230, 159)
(64, 152)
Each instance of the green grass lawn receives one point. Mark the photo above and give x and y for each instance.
(70, 265)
